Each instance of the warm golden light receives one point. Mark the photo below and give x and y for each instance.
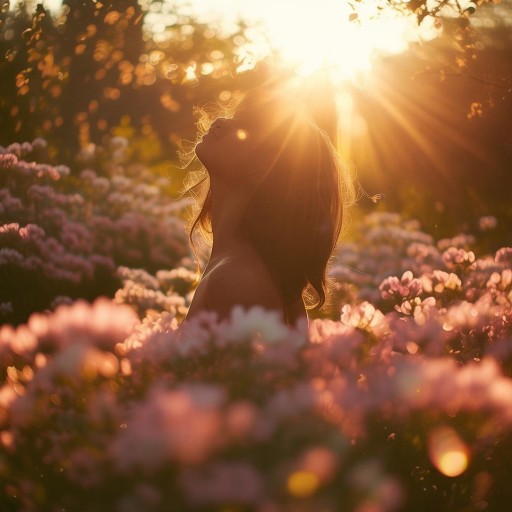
(314, 34)
(448, 452)
(241, 134)
(343, 37)
(302, 483)
(190, 73)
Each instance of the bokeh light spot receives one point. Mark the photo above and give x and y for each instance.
(302, 484)
(448, 452)
(241, 134)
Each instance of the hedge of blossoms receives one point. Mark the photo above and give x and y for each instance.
(63, 236)
(386, 245)
(405, 406)
(169, 291)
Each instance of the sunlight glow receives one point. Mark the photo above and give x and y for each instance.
(310, 35)
(307, 34)
(241, 134)
(190, 73)
(448, 452)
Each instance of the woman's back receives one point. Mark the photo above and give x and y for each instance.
(245, 280)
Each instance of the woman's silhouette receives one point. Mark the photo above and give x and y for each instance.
(273, 207)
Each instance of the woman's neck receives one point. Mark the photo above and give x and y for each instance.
(228, 207)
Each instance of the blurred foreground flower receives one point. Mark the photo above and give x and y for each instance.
(365, 411)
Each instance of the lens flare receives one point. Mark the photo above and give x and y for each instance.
(448, 452)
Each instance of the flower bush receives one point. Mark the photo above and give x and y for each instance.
(397, 405)
(168, 291)
(385, 246)
(398, 399)
(63, 236)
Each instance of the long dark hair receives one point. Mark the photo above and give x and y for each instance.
(298, 204)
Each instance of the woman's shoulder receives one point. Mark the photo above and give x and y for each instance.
(248, 285)
(235, 279)
(245, 278)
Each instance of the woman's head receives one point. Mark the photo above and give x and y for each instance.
(270, 148)
(238, 148)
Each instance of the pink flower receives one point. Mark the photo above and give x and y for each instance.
(462, 241)
(13, 227)
(417, 307)
(240, 418)
(380, 491)
(39, 143)
(245, 323)
(83, 467)
(504, 255)
(10, 256)
(441, 280)
(410, 336)
(7, 396)
(290, 402)
(222, 483)
(88, 175)
(501, 281)
(181, 425)
(466, 315)
(102, 324)
(319, 460)
(20, 341)
(32, 232)
(14, 148)
(487, 222)
(458, 258)
(398, 290)
(364, 316)
(8, 161)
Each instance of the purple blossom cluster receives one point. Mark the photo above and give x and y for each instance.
(63, 235)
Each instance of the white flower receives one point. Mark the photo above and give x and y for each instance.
(246, 323)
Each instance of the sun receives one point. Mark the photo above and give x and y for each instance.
(344, 37)
(340, 35)
(330, 34)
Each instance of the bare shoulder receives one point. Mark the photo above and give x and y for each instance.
(246, 282)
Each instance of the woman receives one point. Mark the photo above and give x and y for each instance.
(274, 207)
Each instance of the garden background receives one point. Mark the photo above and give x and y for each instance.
(398, 397)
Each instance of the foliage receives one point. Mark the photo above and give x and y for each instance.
(424, 8)
(73, 76)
